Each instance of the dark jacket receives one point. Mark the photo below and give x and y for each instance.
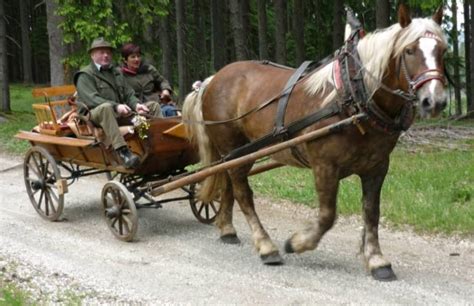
(147, 83)
(95, 87)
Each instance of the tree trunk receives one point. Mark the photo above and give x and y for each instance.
(165, 43)
(469, 40)
(298, 30)
(280, 31)
(382, 13)
(184, 86)
(262, 29)
(4, 89)
(245, 17)
(57, 50)
(218, 34)
(338, 25)
(200, 54)
(457, 81)
(237, 30)
(25, 42)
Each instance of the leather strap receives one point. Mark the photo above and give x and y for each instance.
(294, 127)
(285, 96)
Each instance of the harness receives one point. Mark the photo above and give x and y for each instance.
(353, 97)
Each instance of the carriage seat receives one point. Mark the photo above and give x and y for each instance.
(60, 117)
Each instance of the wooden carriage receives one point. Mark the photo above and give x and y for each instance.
(60, 145)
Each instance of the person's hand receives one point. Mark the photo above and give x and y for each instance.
(123, 110)
(142, 109)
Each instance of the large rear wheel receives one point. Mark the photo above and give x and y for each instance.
(43, 183)
(119, 210)
(205, 212)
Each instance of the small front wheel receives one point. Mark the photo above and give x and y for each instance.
(119, 210)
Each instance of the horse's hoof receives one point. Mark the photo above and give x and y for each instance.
(230, 239)
(288, 247)
(384, 274)
(272, 259)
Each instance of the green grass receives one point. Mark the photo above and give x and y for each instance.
(12, 296)
(21, 118)
(430, 191)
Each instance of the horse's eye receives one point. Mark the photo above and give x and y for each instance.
(410, 51)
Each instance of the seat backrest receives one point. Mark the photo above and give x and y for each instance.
(52, 93)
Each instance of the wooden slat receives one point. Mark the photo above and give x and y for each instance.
(42, 138)
(178, 131)
(65, 90)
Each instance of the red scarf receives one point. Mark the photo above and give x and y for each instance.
(127, 70)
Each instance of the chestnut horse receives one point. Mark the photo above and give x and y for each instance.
(402, 68)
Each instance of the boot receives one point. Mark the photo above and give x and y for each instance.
(129, 159)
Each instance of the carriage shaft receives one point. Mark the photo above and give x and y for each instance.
(205, 172)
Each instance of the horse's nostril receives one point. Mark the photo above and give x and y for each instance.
(425, 103)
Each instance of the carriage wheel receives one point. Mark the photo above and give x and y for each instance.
(119, 210)
(205, 212)
(42, 180)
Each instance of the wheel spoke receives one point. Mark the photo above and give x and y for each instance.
(35, 171)
(213, 207)
(53, 208)
(46, 203)
(40, 200)
(200, 208)
(126, 211)
(120, 226)
(128, 223)
(207, 211)
(112, 224)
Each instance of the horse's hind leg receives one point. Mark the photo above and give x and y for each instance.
(244, 196)
(379, 267)
(224, 218)
(327, 183)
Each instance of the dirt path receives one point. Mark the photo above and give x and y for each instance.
(175, 259)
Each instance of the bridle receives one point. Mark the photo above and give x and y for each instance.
(353, 83)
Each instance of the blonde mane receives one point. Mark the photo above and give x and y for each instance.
(375, 51)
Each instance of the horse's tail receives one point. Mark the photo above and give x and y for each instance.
(196, 133)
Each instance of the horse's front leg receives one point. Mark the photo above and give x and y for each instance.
(379, 267)
(243, 194)
(327, 184)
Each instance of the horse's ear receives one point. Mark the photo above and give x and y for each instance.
(438, 15)
(404, 18)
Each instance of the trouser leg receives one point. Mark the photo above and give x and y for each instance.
(105, 116)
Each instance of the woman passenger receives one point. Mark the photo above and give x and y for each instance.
(148, 83)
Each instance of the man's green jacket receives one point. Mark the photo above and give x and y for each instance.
(95, 87)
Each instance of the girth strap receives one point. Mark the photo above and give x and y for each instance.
(285, 96)
(293, 128)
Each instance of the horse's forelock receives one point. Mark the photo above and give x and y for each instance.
(377, 48)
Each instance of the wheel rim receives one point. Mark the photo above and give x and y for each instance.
(41, 173)
(205, 212)
(119, 211)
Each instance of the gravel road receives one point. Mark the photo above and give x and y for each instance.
(177, 260)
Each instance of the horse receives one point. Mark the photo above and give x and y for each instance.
(402, 72)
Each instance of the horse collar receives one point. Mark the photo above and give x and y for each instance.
(348, 74)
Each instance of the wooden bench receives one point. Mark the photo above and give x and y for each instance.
(54, 107)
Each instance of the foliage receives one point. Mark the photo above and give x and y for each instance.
(117, 21)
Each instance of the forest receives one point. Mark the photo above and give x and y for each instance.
(44, 42)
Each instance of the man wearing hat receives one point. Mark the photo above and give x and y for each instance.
(102, 89)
